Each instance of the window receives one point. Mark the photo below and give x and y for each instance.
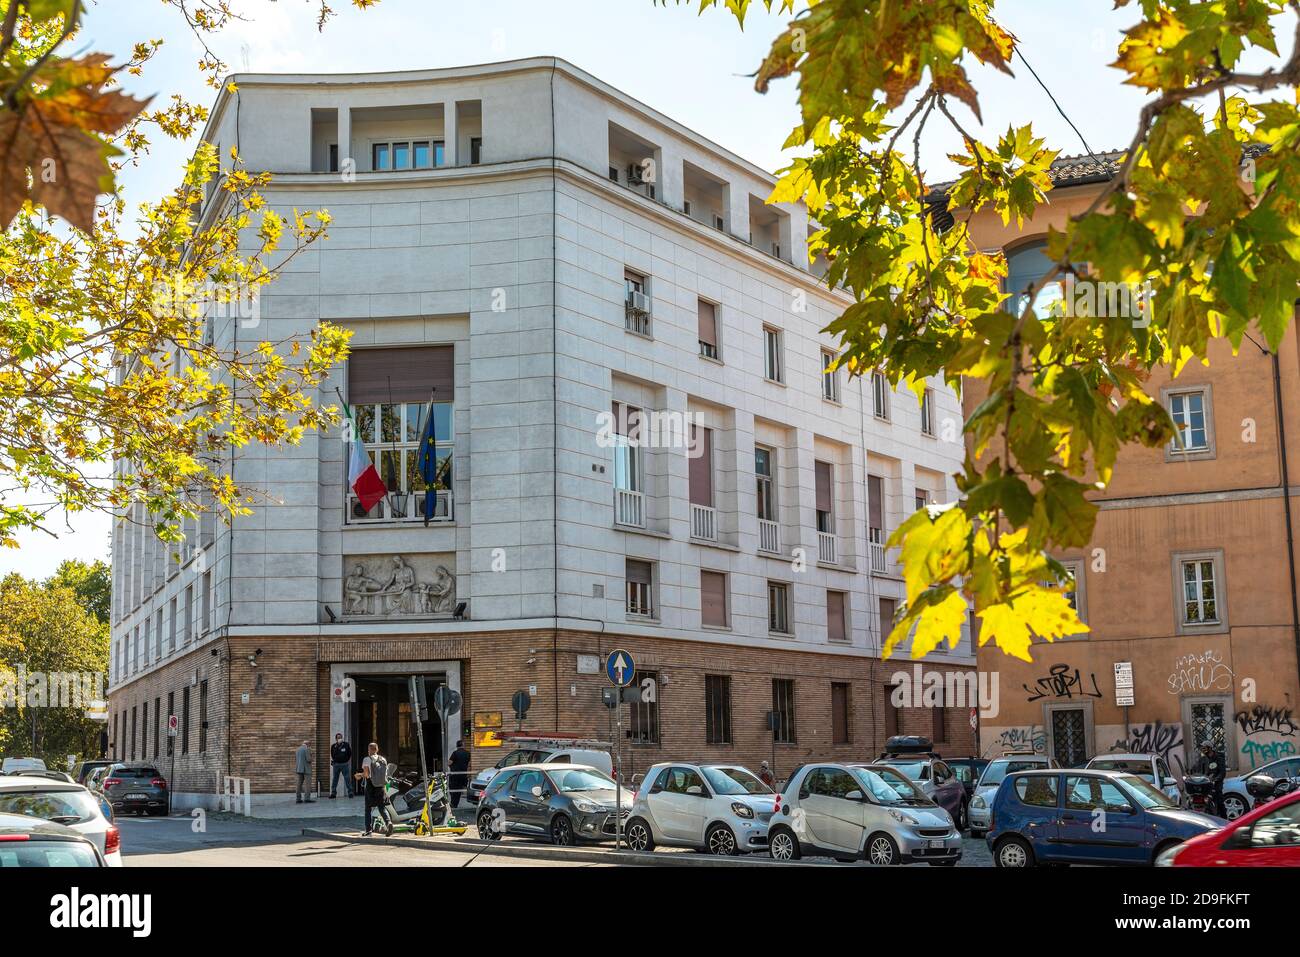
(939, 726)
(700, 475)
(1278, 828)
(171, 710)
(713, 599)
(922, 499)
(1074, 583)
(876, 522)
(840, 695)
(406, 154)
(475, 150)
(778, 607)
(645, 714)
(1025, 266)
(627, 447)
(203, 716)
(927, 412)
(334, 158)
(174, 635)
(683, 781)
(708, 329)
(1199, 591)
(185, 720)
(1194, 435)
(144, 731)
(205, 622)
(133, 730)
(157, 727)
(640, 588)
(783, 727)
(717, 709)
(888, 609)
(187, 597)
(773, 367)
(636, 303)
(389, 390)
(1038, 790)
(766, 490)
(824, 478)
(880, 396)
(836, 627)
(1094, 794)
(830, 378)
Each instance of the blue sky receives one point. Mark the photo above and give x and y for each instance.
(690, 67)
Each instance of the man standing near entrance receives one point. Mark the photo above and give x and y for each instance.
(302, 767)
(340, 765)
(459, 764)
(374, 771)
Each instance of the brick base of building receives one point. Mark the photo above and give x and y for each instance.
(249, 712)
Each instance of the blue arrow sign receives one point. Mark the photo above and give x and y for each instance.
(620, 667)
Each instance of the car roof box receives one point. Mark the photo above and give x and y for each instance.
(908, 744)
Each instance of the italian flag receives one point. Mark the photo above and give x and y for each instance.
(364, 478)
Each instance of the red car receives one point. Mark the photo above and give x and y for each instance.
(1268, 836)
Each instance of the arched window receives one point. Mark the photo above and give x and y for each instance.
(1025, 265)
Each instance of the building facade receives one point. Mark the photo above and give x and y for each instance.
(638, 447)
(1189, 582)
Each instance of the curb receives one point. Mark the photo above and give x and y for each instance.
(574, 854)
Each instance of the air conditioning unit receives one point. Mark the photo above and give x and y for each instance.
(634, 175)
(638, 302)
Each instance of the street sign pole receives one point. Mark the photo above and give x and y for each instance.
(618, 781)
(620, 668)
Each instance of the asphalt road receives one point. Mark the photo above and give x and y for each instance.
(226, 841)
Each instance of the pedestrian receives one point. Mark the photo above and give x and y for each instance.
(459, 763)
(340, 765)
(374, 772)
(302, 767)
(1213, 765)
(766, 776)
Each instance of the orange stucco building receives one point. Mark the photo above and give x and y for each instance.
(1190, 577)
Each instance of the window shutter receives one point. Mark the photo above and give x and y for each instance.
(638, 572)
(627, 419)
(823, 474)
(708, 323)
(403, 374)
(701, 467)
(713, 598)
(835, 615)
(876, 501)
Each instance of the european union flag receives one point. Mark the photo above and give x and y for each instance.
(426, 459)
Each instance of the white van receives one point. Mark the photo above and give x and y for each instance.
(541, 754)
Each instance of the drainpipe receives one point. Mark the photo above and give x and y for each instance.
(1286, 506)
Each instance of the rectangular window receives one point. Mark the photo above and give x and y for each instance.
(171, 710)
(1200, 604)
(380, 157)
(783, 729)
(840, 725)
(144, 731)
(927, 412)
(645, 714)
(158, 635)
(778, 608)
(157, 727)
(766, 489)
(876, 522)
(334, 157)
(713, 599)
(892, 713)
(830, 378)
(203, 716)
(640, 588)
(922, 499)
(700, 471)
(188, 620)
(773, 367)
(888, 608)
(636, 303)
(880, 396)
(939, 727)
(172, 634)
(405, 154)
(708, 329)
(420, 155)
(185, 720)
(475, 150)
(824, 478)
(1187, 409)
(401, 156)
(205, 622)
(627, 448)
(133, 731)
(717, 709)
(836, 625)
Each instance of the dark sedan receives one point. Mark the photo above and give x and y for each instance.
(565, 803)
(136, 786)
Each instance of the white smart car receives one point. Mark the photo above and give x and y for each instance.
(718, 808)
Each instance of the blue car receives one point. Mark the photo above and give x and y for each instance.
(1086, 817)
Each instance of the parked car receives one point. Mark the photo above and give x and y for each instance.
(980, 809)
(136, 786)
(9, 765)
(1237, 801)
(914, 757)
(1151, 768)
(718, 808)
(62, 803)
(1268, 836)
(967, 771)
(566, 803)
(1053, 817)
(540, 755)
(86, 768)
(30, 842)
(48, 774)
(852, 811)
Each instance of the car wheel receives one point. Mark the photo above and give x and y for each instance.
(719, 840)
(638, 835)
(960, 817)
(977, 833)
(1164, 846)
(561, 831)
(782, 845)
(1234, 806)
(881, 850)
(1013, 852)
(486, 831)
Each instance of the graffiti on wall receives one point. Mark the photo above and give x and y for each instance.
(1023, 739)
(1264, 730)
(1158, 738)
(1200, 673)
(1063, 682)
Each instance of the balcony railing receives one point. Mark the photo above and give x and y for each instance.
(629, 508)
(636, 308)
(769, 536)
(876, 545)
(828, 548)
(704, 523)
(399, 508)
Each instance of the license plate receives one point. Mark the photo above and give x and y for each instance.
(137, 797)
(937, 844)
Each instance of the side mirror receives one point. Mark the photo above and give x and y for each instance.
(537, 790)
(695, 789)
(1169, 782)
(854, 796)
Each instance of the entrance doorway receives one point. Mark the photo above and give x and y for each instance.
(382, 713)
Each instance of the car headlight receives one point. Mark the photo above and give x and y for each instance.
(979, 802)
(902, 818)
(588, 807)
(1166, 857)
(742, 810)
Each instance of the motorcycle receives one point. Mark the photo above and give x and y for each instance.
(1262, 788)
(407, 794)
(1198, 793)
